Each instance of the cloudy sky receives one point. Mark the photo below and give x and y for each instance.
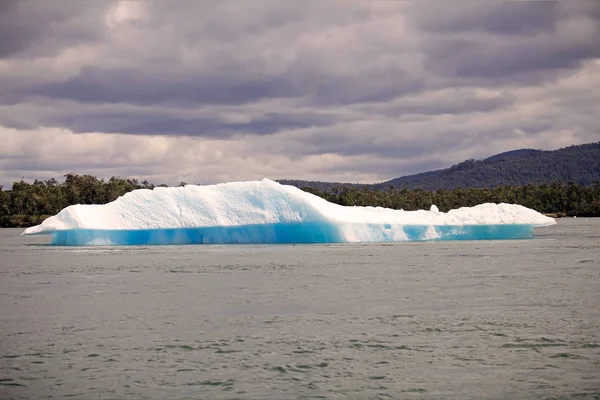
(212, 91)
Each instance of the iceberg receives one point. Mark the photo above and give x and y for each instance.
(268, 212)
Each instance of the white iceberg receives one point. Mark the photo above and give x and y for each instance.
(267, 212)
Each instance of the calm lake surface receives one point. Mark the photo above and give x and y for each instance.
(438, 320)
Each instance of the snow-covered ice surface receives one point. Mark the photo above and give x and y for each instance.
(267, 212)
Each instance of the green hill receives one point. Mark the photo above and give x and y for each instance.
(578, 164)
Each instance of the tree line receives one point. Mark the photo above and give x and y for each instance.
(28, 204)
(559, 199)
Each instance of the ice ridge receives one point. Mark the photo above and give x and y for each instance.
(268, 212)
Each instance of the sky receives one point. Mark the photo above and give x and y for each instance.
(335, 90)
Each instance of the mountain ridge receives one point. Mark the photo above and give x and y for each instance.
(578, 163)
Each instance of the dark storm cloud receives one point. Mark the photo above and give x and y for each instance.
(93, 85)
(502, 17)
(475, 58)
(45, 27)
(509, 41)
(15, 35)
(207, 127)
(378, 88)
(131, 87)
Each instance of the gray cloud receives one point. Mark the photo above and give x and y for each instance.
(30, 28)
(527, 62)
(407, 84)
(500, 43)
(134, 87)
(208, 127)
(506, 18)
(458, 105)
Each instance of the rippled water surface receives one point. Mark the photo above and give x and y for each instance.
(453, 320)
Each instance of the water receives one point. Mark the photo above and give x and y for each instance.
(452, 320)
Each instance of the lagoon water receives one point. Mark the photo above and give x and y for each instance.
(430, 320)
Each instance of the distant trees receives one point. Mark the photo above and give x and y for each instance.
(29, 204)
(562, 199)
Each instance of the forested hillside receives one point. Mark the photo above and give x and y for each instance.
(578, 164)
(28, 204)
